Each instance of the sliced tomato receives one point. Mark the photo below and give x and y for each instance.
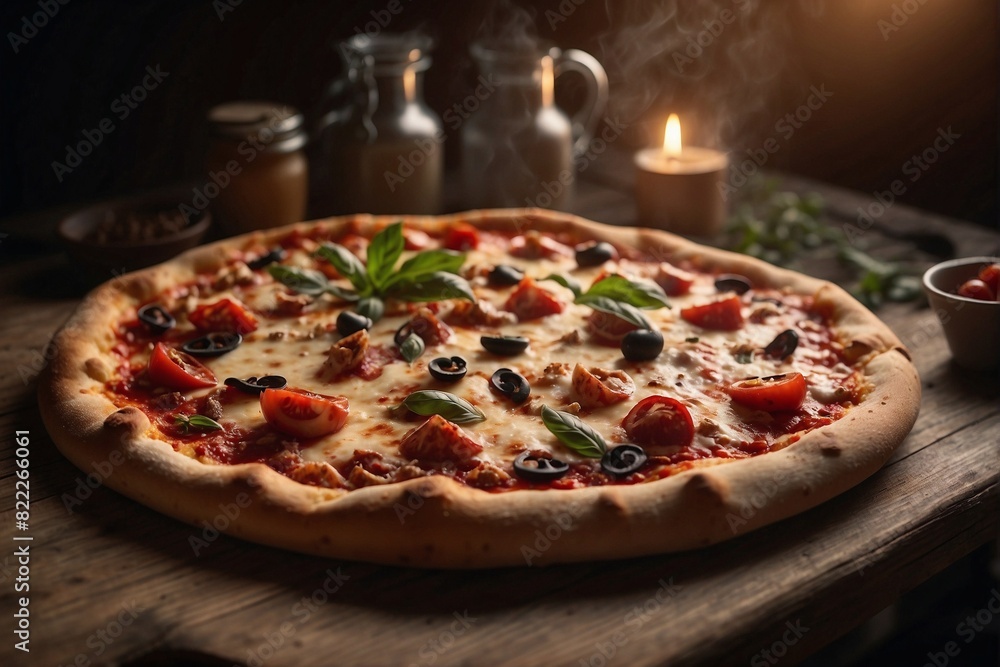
(724, 315)
(659, 421)
(990, 274)
(976, 289)
(414, 239)
(530, 302)
(303, 414)
(224, 315)
(673, 281)
(178, 370)
(462, 237)
(771, 394)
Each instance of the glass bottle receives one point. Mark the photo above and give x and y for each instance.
(390, 158)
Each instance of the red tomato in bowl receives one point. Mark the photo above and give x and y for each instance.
(303, 414)
(976, 289)
(990, 274)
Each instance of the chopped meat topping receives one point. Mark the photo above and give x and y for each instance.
(237, 274)
(291, 304)
(345, 355)
(572, 338)
(598, 387)
(482, 313)
(317, 473)
(437, 439)
(360, 477)
(211, 406)
(487, 476)
(427, 325)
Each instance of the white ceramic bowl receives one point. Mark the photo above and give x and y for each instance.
(972, 327)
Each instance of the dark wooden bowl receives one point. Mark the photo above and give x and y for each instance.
(105, 261)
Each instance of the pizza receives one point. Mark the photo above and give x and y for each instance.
(494, 388)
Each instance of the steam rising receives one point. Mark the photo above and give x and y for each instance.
(509, 25)
(715, 62)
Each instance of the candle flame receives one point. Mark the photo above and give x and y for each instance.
(672, 137)
(548, 81)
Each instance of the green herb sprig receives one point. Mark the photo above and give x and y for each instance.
(430, 275)
(618, 296)
(779, 227)
(185, 423)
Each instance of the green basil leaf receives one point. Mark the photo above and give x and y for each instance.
(638, 294)
(342, 292)
(743, 357)
(198, 421)
(412, 347)
(425, 263)
(347, 265)
(430, 402)
(383, 252)
(623, 310)
(371, 307)
(436, 286)
(573, 433)
(305, 281)
(205, 423)
(567, 282)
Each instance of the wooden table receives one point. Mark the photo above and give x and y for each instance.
(112, 581)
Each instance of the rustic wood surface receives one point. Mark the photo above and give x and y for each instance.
(115, 583)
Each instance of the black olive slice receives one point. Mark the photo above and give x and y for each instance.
(623, 460)
(448, 369)
(510, 384)
(263, 261)
(642, 345)
(543, 470)
(349, 322)
(255, 385)
(594, 253)
(731, 282)
(783, 344)
(503, 275)
(213, 344)
(156, 318)
(505, 346)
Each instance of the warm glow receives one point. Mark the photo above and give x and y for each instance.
(672, 137)
(548, 81)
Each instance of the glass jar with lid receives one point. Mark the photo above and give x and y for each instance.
(256, 165)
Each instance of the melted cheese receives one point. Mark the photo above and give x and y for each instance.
(689, 371)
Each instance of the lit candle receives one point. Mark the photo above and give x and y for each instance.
(679, 188)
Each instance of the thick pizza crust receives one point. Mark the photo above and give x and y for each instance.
(437, 522)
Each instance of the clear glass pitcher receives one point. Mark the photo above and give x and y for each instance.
(381, 140)
(518, 146)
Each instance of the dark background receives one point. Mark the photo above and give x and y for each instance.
(892, 91)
